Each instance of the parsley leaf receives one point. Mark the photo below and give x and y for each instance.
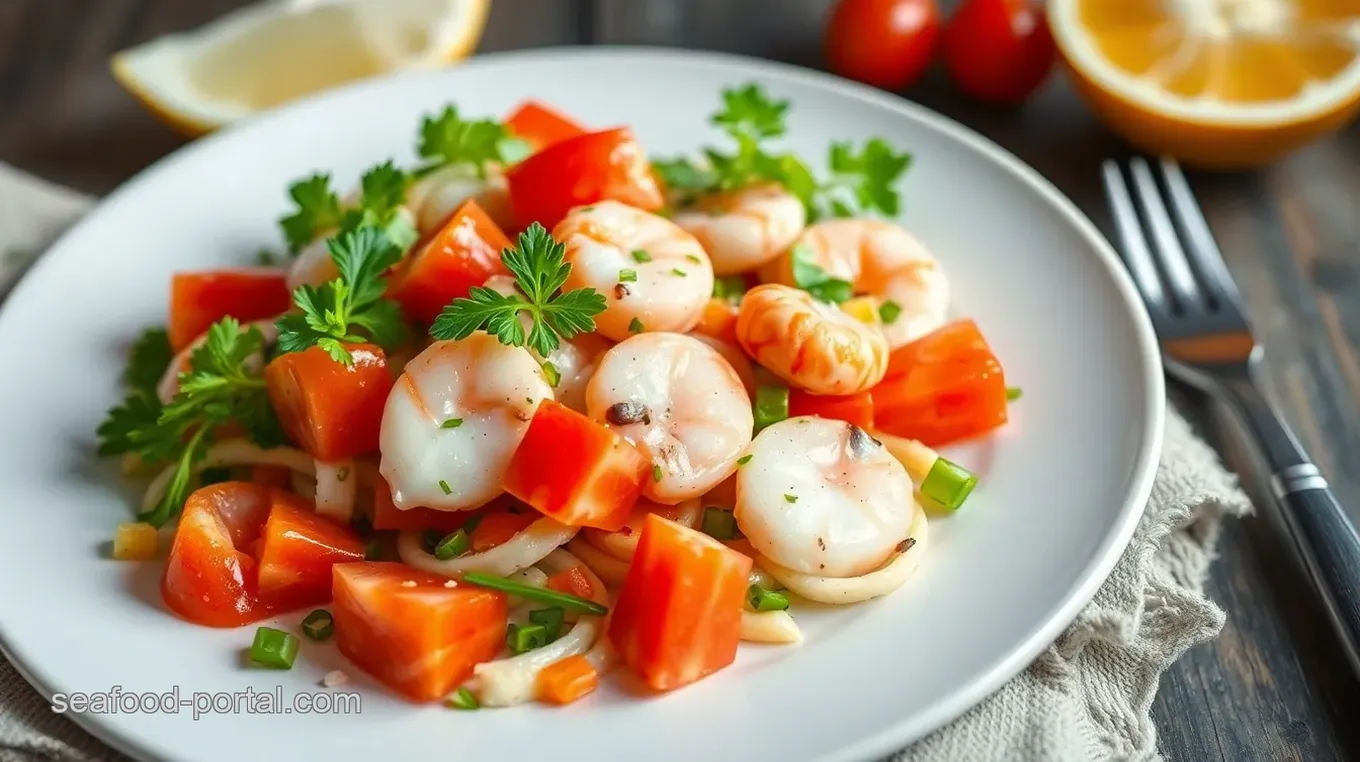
(318, 210)
(331, 315)
(867, 178)
(809, 276)
(382, 193)
(147, 361)
(446, 139)
(749, 114)
(537, 262)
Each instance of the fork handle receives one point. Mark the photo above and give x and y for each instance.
(1325, 537)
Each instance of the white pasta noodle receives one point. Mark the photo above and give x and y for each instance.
(523, 550)
(841, 590)
(336, 484)
(759, 576)
(233, 452)
(610, 569)
(769, 627)
(514, 680)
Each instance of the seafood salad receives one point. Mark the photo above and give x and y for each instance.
(542, 405)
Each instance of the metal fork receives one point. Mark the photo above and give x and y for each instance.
(1207, 342)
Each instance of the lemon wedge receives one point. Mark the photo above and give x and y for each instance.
(1215, 83)
(270, 53)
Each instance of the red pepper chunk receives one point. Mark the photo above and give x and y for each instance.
(944, 387)
(855, 408)
(599, 166)
(199, 299)
(333, 411)
(678, 616)
(540, 126)
(463, 254)
(575, 470)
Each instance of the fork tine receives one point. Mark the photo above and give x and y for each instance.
(1180, 278)
(1200, 244)
(1133, 246)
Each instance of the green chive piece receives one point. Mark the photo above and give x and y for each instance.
(772, 405)
(627, 276)
(451, 423)
(948, 484)
(719, 523)
(522, 638)
(889, 311)
(678, 271)
(656, 473)
(567, 601)
(760, 599)
(318, 625)
(635, 326)
(553, 374)
(429, 539)
(453, 545)
(743, 460)
(551, 619)
(1014, 393)
(445, 486)
(463, 699)
(693, 259)
(273, 648)
(641, 255)
(790, 498)
(730, 287)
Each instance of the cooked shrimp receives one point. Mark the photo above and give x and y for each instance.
(679, 401)
(882, 260)
(812, 345)
(655, 276)
(454, 419)
(734, 357)
(434, 197)
(742, 230)
(822, 497)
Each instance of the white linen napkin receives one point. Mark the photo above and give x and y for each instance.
(1086, 698)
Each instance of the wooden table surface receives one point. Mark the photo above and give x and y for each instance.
(1274, 684)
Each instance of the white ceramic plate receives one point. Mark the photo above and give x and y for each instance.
(1062, 486)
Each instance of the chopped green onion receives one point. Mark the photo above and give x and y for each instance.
(635, 326)
(719, 524)
(627, 276)
(472, 523)
(445, 486)
(760, 599)
(452, 545)
(790, 498)
(318, 625)
(693, 259)
(948, 484)
(551, 619)
(553, 375)
(772, 405)
(451, 423)
(729, 287)
(532, 593)
(463, 699)
(522, 638)
(889, 311)
(656, 473)
(678, 271)
(743, 460)
(1013, 393)
(273, 648)
(641, 255)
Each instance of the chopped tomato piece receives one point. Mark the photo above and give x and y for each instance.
(210, 577)
(944, 387)
(497, 528)
(719, 320)
(541, 126)
(852, 408)
(572, 581)
(297, 551)
(678, 617)
(408, 629)
(463, 254)
(387, 515)
(582, 170)
(567, 680)
(575, 470)
(199, 299)
(332, 411)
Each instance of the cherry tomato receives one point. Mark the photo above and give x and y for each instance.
(884, 43)
(998, 51)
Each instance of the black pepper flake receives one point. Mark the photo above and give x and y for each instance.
(861, 444)
(905, 545)
(821, 543)
(625, 413)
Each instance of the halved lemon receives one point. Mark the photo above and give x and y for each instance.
(1214, 83)
(267, 54)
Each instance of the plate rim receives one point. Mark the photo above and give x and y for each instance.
(901, 733)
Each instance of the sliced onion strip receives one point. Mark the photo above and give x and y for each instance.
(769, 627)
(336, 485)
(233, 452)
(842, 590)
(523, 550)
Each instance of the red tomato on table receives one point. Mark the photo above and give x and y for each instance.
(463, 254)
(884, 43)
(998, 51)
(332, 411)
(199, 299)
(582, 170)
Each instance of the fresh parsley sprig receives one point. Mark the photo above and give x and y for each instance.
(447, 138)
(540, 270)
(150, 356)
(812, 278)
(351, 308)
(319, 211)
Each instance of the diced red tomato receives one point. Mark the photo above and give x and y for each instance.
(210, 577)
(719, 320)
(678, 616)
(585, 169)
(199, 299)
(407, 629)
(497, 528)
(386, 515)
(572, 581)
(332, 411)
(567, 680)
(541, 126)
(463, 254)
(297, 551)
(855, 408)
(575, 470)
(944, 387)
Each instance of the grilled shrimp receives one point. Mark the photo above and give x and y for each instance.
(882, 260)
(822, 497)
(679, 401)
(812, 345)
(655, 276)
(434, 197)
(454, 419)
(742, 230)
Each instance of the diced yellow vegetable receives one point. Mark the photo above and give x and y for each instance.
(863, 309)
(135, 542)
